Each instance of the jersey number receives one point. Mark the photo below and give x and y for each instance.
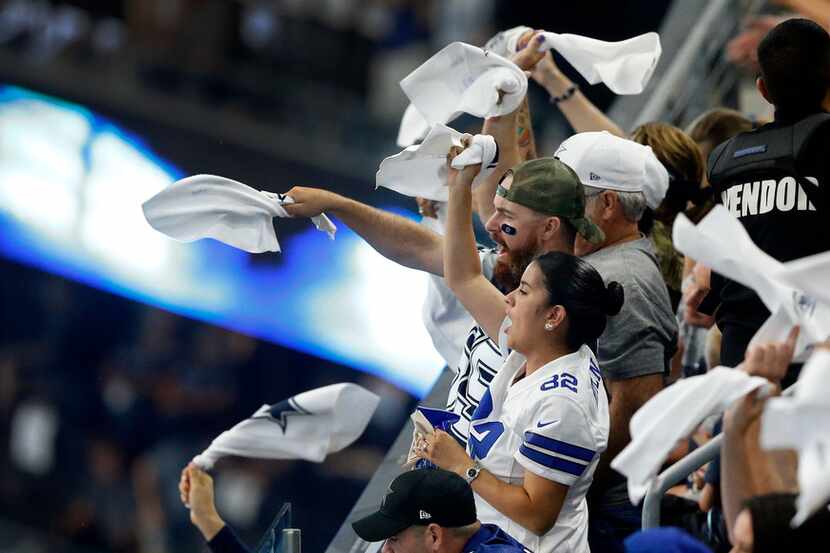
(565, 380)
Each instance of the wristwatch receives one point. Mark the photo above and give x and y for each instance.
(472, 472)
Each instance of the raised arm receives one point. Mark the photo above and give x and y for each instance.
(580, 112)
(196, 493)
(746, 469)
(506, 131)
(462, 267)
(397, 238)
(514, 135)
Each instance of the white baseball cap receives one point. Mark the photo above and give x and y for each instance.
(602, 160)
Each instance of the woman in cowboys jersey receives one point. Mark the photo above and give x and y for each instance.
(537, 435)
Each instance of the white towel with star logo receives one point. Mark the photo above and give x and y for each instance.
(307, 426)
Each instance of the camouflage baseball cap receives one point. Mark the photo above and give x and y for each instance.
(550, 187)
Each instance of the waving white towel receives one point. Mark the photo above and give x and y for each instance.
(421, 171)
(741, 260)
(673, 414)
(802, 422)
(413, 127)
(208, 206)
(625, 66)
(307, 426)
(506, 43)
(460, 79)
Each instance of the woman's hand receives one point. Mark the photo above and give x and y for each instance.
(529, 55)
(442, 449)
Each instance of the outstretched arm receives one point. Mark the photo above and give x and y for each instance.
(462, 267)
(397, 238)
(513, 133)
(580, 112)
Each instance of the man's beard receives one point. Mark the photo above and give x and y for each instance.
(507, 275)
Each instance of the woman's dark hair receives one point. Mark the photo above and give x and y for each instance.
(573, 283)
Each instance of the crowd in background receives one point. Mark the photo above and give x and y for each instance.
(103, 400)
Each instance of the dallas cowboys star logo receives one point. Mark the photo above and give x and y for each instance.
(279, 412)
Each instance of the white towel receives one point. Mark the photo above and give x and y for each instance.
(413, 127)
(460, 79)
(673, 414)
(802, 422)
(307, 426)
(421, 171)
(739, 259)
(506, 43)
(625, 66)
(208, 206)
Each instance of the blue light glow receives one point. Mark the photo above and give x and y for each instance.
(71, 189)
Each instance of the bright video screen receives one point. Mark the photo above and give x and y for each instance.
(71, 188)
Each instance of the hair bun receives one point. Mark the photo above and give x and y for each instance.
(614, 297)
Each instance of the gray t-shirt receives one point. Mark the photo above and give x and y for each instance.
(642, 338)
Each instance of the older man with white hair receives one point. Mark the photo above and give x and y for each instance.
(621, 179)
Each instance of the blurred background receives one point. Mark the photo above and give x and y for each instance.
(122, 353)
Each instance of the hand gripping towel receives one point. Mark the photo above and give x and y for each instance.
(460, 79)
(209, 206)
(421, 171)
(625, 66)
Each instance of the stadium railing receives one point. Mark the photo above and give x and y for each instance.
(678, 472)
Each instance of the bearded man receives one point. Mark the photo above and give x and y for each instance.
(539, 207)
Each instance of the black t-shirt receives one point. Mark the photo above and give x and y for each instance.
(781, 220)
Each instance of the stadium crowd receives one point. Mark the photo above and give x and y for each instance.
(582, 313)
(533, 442)
(585, 311)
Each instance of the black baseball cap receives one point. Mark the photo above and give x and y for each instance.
(420, 497)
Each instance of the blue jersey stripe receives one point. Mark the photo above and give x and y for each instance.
(557, 446)
(552, 462)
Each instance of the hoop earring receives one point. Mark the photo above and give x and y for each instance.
(548, 326)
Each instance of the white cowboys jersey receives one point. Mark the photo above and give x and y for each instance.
(479, 362)
(553, 423)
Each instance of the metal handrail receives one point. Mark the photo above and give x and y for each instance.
(673, 476)
(678, 471)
